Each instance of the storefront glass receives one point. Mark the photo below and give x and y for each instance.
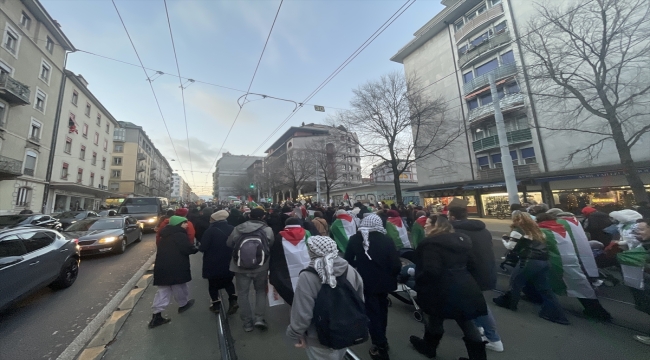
(498, 203)
(437, 204)
(603, 199)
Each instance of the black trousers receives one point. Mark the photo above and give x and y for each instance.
(377, 312)
(216, 284)
(436, 328)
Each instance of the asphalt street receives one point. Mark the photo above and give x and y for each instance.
(42, 325)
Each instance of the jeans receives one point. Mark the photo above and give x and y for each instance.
(435, 327)
(377, 311)
(259, 282)
(216, 284)
(535, 272)
(488, 324)
(163, 296)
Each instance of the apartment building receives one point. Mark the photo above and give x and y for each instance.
(454, 53)
(32, 59)
(384, 173)
(83, 146)
(229, 174)
(137, 167)
(181, 190)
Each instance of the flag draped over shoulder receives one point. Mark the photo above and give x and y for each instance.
(288, 258)
(397, 231)
(342, 228)
(632, 263)
(581, 244)
(417, 233)
(566, 275)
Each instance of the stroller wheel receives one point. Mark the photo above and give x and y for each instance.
(418, 316)
(390, 302)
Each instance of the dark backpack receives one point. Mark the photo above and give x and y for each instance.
(251, 250)
(339, 314)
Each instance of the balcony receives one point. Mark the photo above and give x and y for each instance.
(10, 168)
(140, 168)
(141, 156)
(478, 22)
(521, 171)
(500, 72)
(485, 48)
(491, 142)
(154, 166)
(15, 92)
(139, 181)
(507, 103)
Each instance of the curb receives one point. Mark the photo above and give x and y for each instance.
(96, 347)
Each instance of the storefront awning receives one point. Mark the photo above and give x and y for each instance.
(589, 175)
(91, 191)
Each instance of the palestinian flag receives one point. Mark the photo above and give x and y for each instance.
(566, 275)
(632, 263)
(397, 231)
(289, 256)
(581, 243)
(342, 228)
(417, 231)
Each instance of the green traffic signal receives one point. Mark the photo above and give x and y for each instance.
(252, 186)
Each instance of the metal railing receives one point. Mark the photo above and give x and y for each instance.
(140, 168)
(482, 19)
(483, 48)
(506, 103)
(492, 142)
(499, 73)
(14, 91)
(226, 341)
(520, 171)
(141, 156)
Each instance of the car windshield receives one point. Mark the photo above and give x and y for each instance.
(8, 220)
(95, 224)
(138, 209)
(107, 213)
(72, 214)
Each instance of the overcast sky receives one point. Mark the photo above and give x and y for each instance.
(220, 42)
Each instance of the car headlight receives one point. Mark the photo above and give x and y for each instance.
(153, 219)
(107, 240)
(73, 221)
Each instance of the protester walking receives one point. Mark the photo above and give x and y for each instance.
(251, 242)
(288, 258)
(202, 222)
(373, 254)
(191, 232)
(172, 273)
(216, 261)
(320, 223)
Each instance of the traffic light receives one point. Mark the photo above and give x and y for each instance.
(252, 186)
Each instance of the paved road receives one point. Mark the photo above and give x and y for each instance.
(42, 325)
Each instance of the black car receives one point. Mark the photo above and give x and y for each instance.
(70, 217)
(104, 234)
(31, 258)
(147, 210)
(40, 220)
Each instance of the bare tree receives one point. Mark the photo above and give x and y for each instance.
(327, 160)
(590, 64)
(298, 169)
(398, 123)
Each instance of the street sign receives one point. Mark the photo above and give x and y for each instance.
(319, 108)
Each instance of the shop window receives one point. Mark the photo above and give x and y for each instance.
(487, 67)
(528, 155)
(468, 76)
(508, 58)
(483, 163)
(496, 161)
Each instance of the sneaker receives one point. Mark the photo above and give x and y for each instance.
(494, 346)
(642, 339)
(248, 327)
(481, 330)
(186, 306)
(261, 324)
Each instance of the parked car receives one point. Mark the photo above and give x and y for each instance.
(32, 258)
(147, 210)
(40, 220)
(104, 234)
(110, 212)
(70, 217)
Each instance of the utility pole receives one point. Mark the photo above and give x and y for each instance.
(506, 159)
(318, 185)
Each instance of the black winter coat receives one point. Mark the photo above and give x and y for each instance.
(444, 279)
(216, 254)
(379, 274)
(595, 223)
(173, 257)
(482, 251)
(201, 224)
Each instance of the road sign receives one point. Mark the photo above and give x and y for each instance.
(319, 108)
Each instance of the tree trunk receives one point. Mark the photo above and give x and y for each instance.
(629, 168)
(398, 185)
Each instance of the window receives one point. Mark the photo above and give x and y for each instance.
(116, 174)
(494, 2)
(483, 163)
(25, 21)
(75, 97)
(49, 44)
(103, 163)
(117, 161)
(496, 160)
(35, 130)
(500, 27)
(467, 77)
(92, 179)
(118, 148)
(96, 139)
(108, 128)
(3, 109)
(528, 155)
(99, 118)
(30, 163)
(84, 131)
(487, 67)
(80, 175)
(37, 240)
(64, 171)
(68, 146)
(463, 49)
(513, 155)
(24, 196)
(87, 112)
(480, 39)
(82, 153)
(513, 88)
(93, 160)
(472, 104)
(508, 58)
(459, 24)
(41, 100)
(105, 145)
(114, 186)
(101, 180)
(11, 40)
(46, 69)
(486, 99)
(11, 246)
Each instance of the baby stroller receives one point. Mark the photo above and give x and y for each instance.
(406, 283)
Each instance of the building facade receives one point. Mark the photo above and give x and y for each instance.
(230, 173)
(181, 190)
(32, 59)
(454, 54)
(384, 173)
(84, 142)
(137, 167)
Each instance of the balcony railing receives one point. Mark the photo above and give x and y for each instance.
(484, 48)
(520, 172)
(140, 168)
(10, 168)
(491, 142)
(500, 72)
(154, 166)
(141, 156)
(14, 91)
(506, 103)
(478, 21)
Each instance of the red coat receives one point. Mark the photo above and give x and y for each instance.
(190, 231)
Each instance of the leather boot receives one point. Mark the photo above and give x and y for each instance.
(378, 352)
(157, 320)
(232, 305)
(428, 345)
(505, 301)
(475, 350)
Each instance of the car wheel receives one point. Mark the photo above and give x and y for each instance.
(139, 237)
(122, 247)
(68, 274)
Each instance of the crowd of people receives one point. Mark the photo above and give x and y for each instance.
(317, 257)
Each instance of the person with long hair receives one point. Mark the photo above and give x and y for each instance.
(529, 243)
(447, 287)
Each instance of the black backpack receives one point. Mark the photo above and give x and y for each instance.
(339, 314)
(251, 250)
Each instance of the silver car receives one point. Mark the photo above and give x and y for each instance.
(32, 258)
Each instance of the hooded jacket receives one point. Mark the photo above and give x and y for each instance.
(191, 233)
(247, 227)
(482, 250)
(216, 254)
(379, 274)
(235, 218)
(173, 257)
(321, 225)
(302, 309)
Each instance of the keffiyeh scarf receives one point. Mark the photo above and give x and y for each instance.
(370, 223)
(323, 251)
